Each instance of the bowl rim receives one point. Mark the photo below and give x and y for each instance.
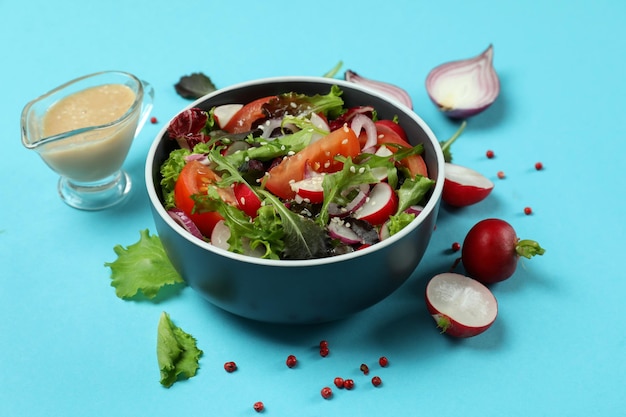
(428, 208)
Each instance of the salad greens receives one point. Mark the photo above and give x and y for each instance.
(177, 352)
(142, 266)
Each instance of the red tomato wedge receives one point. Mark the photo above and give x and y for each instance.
(395, 127)
(319, 156)
(242, 120)
(414, 163)
(195, 178)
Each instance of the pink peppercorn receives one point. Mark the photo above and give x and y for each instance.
(327, 392)
(259, 406)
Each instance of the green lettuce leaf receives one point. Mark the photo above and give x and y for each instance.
(177, 352)
(143, 266)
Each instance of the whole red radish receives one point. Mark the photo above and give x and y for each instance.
(464, 186)
(491, 250)
(461, 306)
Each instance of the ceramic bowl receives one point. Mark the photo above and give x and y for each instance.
(299, 291)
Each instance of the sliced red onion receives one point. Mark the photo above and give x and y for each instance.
(320, 124)
(338, 211)
(361, 121)
(182, 219)
(466, 87)
(390, 90)
(338, 229)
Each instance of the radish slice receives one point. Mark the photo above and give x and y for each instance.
(182, 219)
(310, 189)
(224, 113)
(461, 306)
(381, 203)
(338, 229)
(415, 210)
(464, 186)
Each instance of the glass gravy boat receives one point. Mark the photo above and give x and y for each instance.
(89, 155)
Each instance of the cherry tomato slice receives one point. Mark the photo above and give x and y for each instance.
(319, 156)
(243, 120)
(414, 163)
(195, 178)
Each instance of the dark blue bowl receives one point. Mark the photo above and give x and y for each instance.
(307, 291)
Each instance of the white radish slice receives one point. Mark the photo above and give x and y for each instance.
(225, 112)
(220, 235)
(464, 186)
(310, 189)
(461, 306)
(381, 203)
(338, 229)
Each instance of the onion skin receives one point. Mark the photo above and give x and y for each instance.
(464, 88)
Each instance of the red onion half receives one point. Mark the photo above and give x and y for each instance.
(466, 87)
(390, 90)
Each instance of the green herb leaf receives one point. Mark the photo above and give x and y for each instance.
(177, 352)
(194, 86)
(143, 266)
(412, 191)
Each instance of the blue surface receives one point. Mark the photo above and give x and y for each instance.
(70, 347)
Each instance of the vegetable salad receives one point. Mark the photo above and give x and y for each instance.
(292, 176)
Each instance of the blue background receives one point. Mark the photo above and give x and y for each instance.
(70, 347)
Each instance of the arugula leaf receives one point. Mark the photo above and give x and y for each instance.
(303, 239)
(330, 104)
(143, 266)
(194, 86)
(177, 352)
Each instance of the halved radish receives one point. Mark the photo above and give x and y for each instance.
(310, 189)
(222, 114)
(461, 306)
(464, 186)
(381, 203)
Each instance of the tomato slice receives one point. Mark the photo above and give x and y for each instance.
(243, 120)
(414, 163)
(195, 178)
(318, 156)
(393, 126)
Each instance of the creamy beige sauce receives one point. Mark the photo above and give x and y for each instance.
(96, 153)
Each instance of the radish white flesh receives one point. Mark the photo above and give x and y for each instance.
(381, 172)
(461, 306)
(310, 189)
(464, 186)
(220, 235)
(381, 203)
(225, 112)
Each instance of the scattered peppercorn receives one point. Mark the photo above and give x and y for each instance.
(348, 384)
(323, 344)
(259, 406)
(230, 366)
(538, 166)
(383, 361)
(153, 120)
(339, 382)
(528, 211)
(291, 361)
(456, 246)
(365, 369)
(376, 381)
(327, 392)
(490, 154)
(501, 174)
(324, 352)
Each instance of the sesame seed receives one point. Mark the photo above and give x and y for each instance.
(345, 141)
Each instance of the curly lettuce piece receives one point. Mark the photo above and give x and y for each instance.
(177, 352)
(142, 266)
